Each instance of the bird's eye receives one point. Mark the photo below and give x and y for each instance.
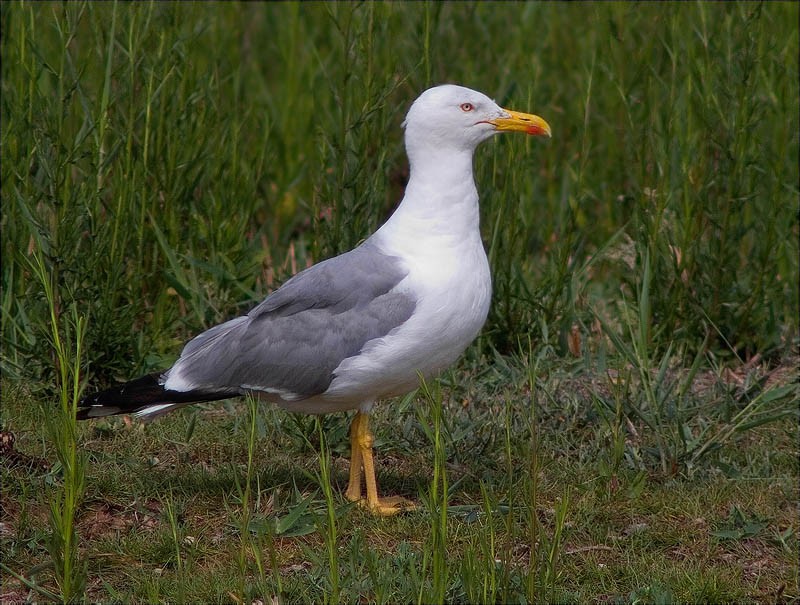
(467, 107)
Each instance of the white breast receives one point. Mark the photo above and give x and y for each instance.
(451, 282)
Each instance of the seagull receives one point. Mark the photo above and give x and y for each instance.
(363, 326)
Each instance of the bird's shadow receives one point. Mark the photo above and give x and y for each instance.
(227, 480)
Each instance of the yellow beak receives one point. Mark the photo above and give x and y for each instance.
(521, 122)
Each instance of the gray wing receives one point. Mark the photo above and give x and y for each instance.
(291, 342)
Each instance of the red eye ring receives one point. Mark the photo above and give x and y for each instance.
(466, 107)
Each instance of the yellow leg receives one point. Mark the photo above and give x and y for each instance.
(353, 492)
(361, 441)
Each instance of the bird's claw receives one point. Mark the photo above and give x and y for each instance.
(388, 506)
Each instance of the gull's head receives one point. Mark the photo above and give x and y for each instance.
(451, 116)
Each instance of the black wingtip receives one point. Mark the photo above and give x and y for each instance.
(139, 394)
(123, 399)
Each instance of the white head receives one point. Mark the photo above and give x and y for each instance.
(451, 117)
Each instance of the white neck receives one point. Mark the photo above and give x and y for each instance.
(440, 202)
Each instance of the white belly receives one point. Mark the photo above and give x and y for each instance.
(452, 305)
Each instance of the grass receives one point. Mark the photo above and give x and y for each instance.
(625, 428)
(595, 534)
(69, 570)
